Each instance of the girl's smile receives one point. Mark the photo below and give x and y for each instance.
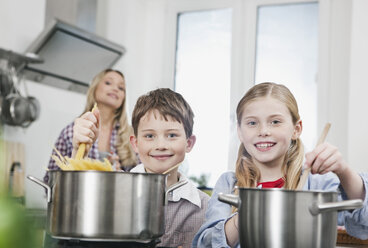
(264, 146)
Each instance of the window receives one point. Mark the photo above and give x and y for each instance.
(287, 53)
(202, 76)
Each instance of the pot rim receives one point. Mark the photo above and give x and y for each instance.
(285, 190)
(105, 172)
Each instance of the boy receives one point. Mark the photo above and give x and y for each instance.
(163, 123)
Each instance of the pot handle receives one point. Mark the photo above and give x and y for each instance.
(39, 182)
(229, 199)
(172, 188)
(316, 208)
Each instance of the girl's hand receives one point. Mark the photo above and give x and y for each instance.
(325, 158)
(85, 130)
(231, 230)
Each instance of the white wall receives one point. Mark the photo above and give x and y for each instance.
(358, 114)
(333, 70)
(139, 25)
(20, 25)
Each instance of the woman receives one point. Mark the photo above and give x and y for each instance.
(108, 91)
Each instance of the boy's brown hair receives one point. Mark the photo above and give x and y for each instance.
(169, 104)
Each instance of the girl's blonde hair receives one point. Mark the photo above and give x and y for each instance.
(247, 174)
(125, 152)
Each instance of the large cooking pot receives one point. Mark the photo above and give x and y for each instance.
(287, 218)
(105, 206)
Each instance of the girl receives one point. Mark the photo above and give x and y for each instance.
(107, 90)
(271, 156)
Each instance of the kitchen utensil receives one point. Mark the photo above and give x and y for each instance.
(80, 164)
(100, 205)
(82, 146)
(81, 151)
(1, 105)
(171, 169)
(34, 108)
(6, 84)
(13, 153)
(15, 178)
(15, 110)
(287, 218)
(304, 176)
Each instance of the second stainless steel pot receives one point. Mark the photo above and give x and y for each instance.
(284, 218)
(96, 205)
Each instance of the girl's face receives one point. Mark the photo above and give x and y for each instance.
(266, 131)
(111, 90)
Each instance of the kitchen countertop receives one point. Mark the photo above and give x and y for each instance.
(38, 217)
(349, 246)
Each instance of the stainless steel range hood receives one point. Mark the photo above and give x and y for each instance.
(72, 56)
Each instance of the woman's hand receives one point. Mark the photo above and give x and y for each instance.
(114, 160)
(85, 130)
(325, 158)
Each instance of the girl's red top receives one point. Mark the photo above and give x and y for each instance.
(279, 183)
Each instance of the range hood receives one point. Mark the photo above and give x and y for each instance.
(72, 56)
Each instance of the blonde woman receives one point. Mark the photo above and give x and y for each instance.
(108, 90)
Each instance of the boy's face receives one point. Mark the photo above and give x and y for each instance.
(160, 144)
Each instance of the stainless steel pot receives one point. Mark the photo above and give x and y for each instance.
(103, 206)
(286, 218)
(19, 111)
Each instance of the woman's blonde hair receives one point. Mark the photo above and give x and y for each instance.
(125, 152)
(247, 174)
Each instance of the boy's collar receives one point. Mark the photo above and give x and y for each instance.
(188, 191)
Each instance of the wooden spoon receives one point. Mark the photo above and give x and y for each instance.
(82, 146)
(305, 174)
(171, 169)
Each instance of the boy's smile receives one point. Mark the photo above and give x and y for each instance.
(161, 144)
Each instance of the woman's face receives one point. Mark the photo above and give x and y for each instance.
(110, 90)
(266, 130)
